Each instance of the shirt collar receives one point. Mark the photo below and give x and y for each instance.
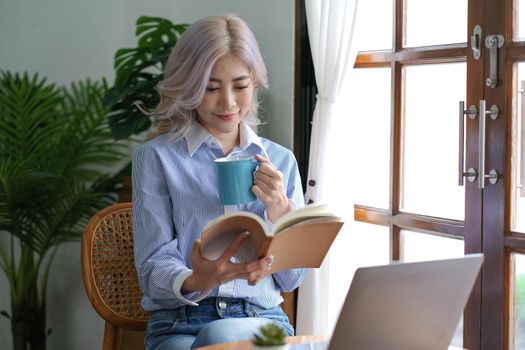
(249, 137)
(198, 135)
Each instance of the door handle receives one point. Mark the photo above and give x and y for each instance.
(493, 174)
(471, 173)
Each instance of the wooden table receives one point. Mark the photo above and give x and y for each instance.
(247, 345)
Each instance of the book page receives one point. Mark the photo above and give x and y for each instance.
(235, 214)
(310, 211)
(220, 234)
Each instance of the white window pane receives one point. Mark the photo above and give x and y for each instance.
(421, 247)
(373, 29)
(435, 22)
(371, 133)
(518, 302)
(518, 175)
(520, 19)
(430, 140)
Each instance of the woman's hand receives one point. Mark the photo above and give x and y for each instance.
(207, 274)
(268, 186)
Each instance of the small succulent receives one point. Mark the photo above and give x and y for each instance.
(269, 335)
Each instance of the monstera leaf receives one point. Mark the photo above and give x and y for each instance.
(138, 71)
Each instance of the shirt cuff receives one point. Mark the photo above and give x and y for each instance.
(194, 296)
(267, 220)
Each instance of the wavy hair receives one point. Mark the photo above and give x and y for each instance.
(189, 68)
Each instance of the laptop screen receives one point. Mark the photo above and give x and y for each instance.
(403, 306)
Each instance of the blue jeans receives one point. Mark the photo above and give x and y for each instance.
(215, 320)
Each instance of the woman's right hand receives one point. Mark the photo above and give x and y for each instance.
(207, 274)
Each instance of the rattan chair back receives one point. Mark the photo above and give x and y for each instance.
(108, 270)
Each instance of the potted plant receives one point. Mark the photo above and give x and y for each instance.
(137, 72)
(270, 337)
(57, 164)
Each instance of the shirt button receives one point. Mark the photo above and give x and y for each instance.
(222, 305)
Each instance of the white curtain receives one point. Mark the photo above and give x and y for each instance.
(331, 29)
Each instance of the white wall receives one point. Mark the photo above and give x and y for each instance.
(71, 40)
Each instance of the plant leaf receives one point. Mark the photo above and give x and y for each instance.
(137, 72)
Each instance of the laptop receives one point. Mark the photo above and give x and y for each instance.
(404, 306)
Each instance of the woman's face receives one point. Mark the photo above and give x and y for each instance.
(227, 98)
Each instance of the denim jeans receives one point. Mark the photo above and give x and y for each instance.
(215, 320)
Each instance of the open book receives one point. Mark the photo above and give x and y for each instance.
(300, 238)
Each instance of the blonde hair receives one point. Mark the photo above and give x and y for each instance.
(189, 68)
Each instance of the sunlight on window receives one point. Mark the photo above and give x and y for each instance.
(518, 207)
(420, 247)
(436, 22)
(372, 85)
(430, 141)
(518, 312)
(521, 19)
(373, 29)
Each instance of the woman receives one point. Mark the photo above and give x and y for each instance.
(207, 99)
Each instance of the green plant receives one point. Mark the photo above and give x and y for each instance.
(55, 149)
(137, 72)
(269, 335)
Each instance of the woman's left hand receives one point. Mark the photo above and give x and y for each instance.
(268, 186)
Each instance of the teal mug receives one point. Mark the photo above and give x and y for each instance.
(235, 179)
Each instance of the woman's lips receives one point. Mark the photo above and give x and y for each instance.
(226, 117)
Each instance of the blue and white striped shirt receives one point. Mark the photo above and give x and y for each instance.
(174, 196)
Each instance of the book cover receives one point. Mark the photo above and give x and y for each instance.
(300, 238)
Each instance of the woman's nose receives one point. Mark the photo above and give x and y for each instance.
(227, 100)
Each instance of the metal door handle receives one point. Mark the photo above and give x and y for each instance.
(493, 174)
(471, 173)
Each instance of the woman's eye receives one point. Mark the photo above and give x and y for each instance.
(241, 87)
(211, 89)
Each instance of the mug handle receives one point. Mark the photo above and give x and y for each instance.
(259, 162)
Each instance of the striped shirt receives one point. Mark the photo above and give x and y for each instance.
(174, 196)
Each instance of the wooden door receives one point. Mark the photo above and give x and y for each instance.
(422, 53)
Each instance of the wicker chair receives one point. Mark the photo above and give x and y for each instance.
(110, 278)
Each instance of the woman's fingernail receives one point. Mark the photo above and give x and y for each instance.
(268, 260)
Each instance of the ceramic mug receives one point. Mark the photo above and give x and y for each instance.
(235, 179)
